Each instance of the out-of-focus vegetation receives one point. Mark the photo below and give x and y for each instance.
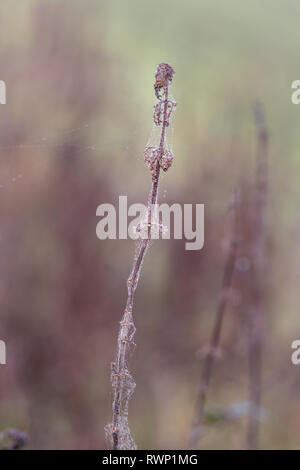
(79, 79)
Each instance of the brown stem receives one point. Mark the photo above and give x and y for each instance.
(257, 281)
(216, 333)
(123, 384)
(155, 174)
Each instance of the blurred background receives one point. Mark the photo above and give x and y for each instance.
(80, 97)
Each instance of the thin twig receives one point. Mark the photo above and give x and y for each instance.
(213, 347)
(156, 158)
(257, 286)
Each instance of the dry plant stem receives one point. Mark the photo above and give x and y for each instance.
(156, 173)
(214, 342)
(120, 372)
(256, 314)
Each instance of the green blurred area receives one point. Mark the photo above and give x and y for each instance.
(80, 97)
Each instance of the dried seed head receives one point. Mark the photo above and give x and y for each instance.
(163, 77)
(157, 115)
(151, 155)
(166, 160)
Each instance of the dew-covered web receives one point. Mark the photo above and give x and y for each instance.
(155, 134)
(123, 383)
(153, 143)
(157, 156)
(123, 387)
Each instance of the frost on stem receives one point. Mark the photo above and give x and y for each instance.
(157, 157)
